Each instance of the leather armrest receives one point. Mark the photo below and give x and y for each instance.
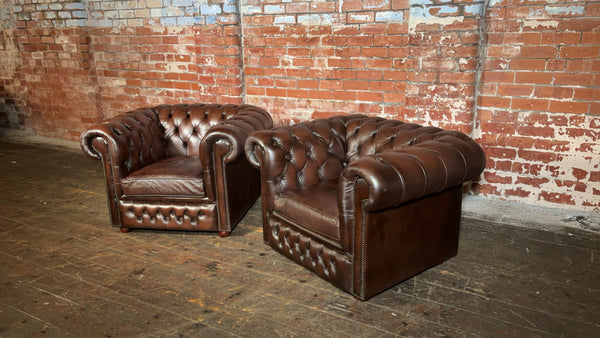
(126, 142)
(235, 130)
(395, 177)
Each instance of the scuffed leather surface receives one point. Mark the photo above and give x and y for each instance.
(134, 144)
(390, 179)
(178, 176)
(315, 208)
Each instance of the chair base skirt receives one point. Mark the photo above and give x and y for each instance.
(181, 216)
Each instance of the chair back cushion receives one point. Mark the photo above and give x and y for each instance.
(372, 135)
(186, 124)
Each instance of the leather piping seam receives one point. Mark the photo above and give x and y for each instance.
(362, 245)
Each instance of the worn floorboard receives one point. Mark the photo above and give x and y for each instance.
(65, 272)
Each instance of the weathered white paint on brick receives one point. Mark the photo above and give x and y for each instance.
(549, 24)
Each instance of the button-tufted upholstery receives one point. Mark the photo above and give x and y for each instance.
(363, 202)
(178, 167)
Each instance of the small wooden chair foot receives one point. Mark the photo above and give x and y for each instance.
(224, 233)
(124, 230)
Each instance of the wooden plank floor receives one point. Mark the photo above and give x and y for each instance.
(65, 272)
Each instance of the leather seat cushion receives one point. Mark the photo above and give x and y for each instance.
(178, 176)
(314, 208)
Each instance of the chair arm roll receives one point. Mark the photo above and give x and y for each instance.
(236, 130)
(397, 177)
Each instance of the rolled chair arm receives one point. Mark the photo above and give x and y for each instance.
(235, 130)
(397, 177)
(131, 140)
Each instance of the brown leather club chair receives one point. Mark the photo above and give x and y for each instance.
(179, 167)
(363, 202)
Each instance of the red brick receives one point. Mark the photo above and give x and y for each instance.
(579, 24)
(539, 51)
(356, 85)
(344, 95)
(495, 178)
(569, 107)
(369, 74)
(503, 51)
(590, 38)
(579, 51)
(527, 64)
(553, 145)
(574, 79)
(320, 94)
(298, 93)
(536, 131)
(519, 192)
(558, 198)
(515, 90)
(553, 92)
(526, 38)
(561, 38)
(303, 62)
(394, 97)
(580, 65)
(500, 153)
(370, 96)
(538, 156)
(353, 5)
(498, 128)
(500, 77)
(590, 94)
(529, 104)
(255, 91)
(494, 101)
(380, 52)
(533, 77)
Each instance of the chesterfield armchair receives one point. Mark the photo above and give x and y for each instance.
(363, 202)
(179, 167)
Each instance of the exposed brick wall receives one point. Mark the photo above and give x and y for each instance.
(521, 76)
(312, 58)
(77, 62)
(14, 112)
(442, 61)
(539, 102)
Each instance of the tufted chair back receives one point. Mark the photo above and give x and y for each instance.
(312, 153)
(185, 125)
(372, 135)
(317, 151)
